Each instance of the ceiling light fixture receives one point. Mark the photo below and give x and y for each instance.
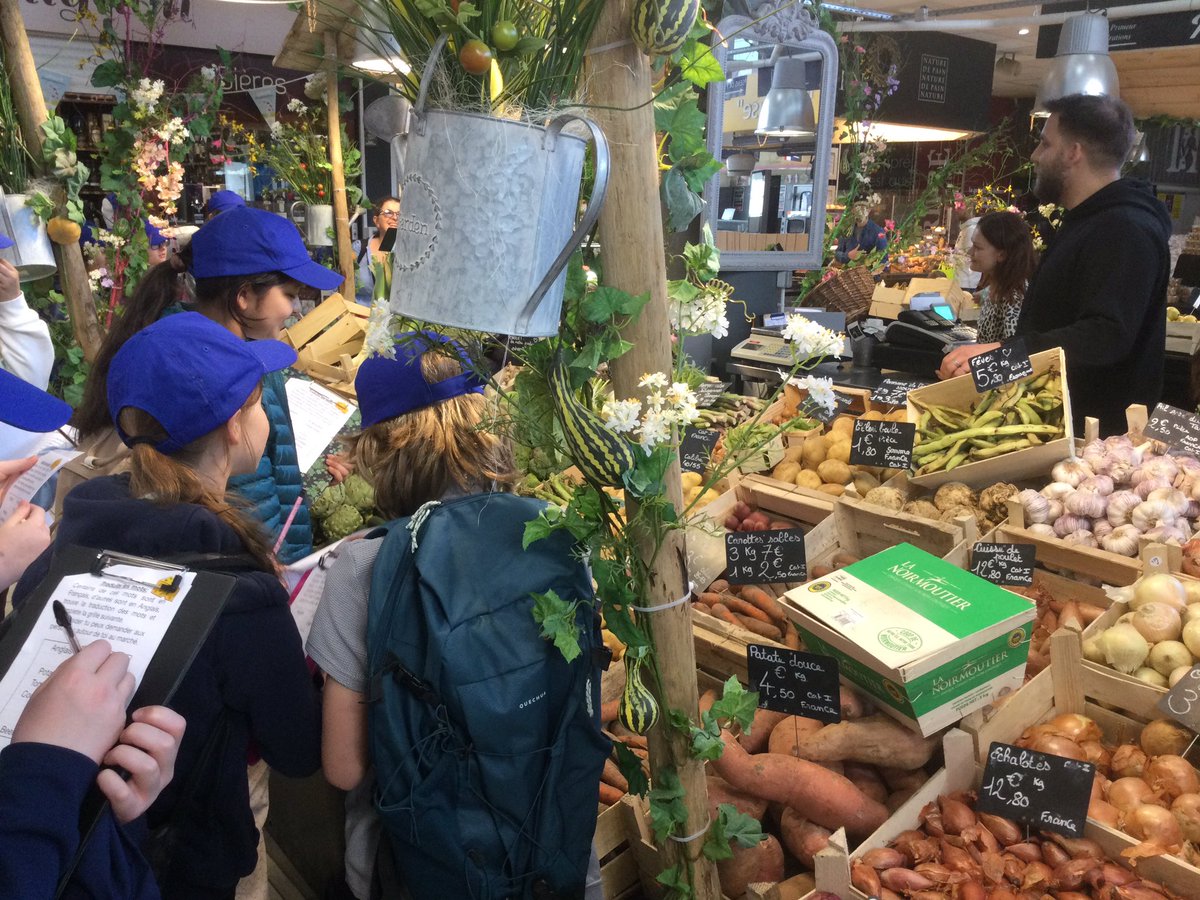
(1022, 31)
(1082, 64)
(1008, 66)
(787, 110)
(376, 50)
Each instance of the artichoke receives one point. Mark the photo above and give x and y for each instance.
(344, 520)
(359, 493)
(328, 500)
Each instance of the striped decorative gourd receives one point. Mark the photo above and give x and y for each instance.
(602, 455)
(639, 709)
(661, 27)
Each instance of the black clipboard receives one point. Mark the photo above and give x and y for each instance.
(189, 629)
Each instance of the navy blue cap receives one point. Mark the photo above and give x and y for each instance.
(26, 407)
(190, 374)
(223, 200)
(388, 388)
(248, 241)
(156, 237)
(6, 242)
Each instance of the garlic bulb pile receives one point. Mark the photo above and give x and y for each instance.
(1114, 494)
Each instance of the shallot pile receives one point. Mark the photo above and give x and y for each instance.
(1114, 494)
(958, 853)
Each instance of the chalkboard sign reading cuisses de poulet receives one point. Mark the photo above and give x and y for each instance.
(1004, 564)
(765, 557)
(1174, 427)
(886, 444)
(1000, 366)
(793, 682)
(1048, 793)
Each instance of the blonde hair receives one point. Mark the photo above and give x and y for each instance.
(420, 455)
(171, 479)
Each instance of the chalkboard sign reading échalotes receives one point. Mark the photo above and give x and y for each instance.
(1000, 366)
(1010, 564)
(696, 449)
(1175, 428)
(1049, 793)
(796, 683)
(765, 557)
(886, 444)
(1182, 702)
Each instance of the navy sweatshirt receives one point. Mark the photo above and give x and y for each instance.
(1100, 294)
(251, 667)
(41, 790)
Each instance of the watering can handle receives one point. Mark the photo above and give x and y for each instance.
(594, 204)
(427, 75)
(292, 212)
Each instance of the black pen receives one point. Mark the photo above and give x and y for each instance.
(63, 618)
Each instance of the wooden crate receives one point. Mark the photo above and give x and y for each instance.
(863, 529)
(618, 860)
(329, 342)
(802, 505)
(721, 647)
(1183, 337)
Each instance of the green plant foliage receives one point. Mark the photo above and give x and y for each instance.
(731, 827)
(557, 618)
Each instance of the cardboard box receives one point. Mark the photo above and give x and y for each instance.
(887, 302)
(960, 393)
(929, 641)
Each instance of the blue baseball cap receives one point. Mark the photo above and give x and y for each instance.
(6, 242)
(26, 407)
(223, 200)
(388, 388)
(191, 374)
(248, 241)
(156, 237)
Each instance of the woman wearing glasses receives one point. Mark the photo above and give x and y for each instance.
(385, 214)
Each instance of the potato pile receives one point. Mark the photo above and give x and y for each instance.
(694, 490)
(822, 462)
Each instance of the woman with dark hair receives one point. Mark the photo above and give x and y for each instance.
(385, 213)
(1001, 252)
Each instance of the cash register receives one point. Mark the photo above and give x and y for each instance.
(765, 355)
(919, 338)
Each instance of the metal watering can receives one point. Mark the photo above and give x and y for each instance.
(487, 216)
(32, 253)
(315, 224)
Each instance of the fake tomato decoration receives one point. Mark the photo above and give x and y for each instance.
(475, 57)
(504, 35)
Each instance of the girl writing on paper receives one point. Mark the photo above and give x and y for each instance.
(186, 398)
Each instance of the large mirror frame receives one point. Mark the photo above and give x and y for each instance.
(793, 25)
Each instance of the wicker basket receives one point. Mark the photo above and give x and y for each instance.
(848, 291)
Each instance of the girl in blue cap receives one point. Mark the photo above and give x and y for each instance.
(248, 266)
(186, 398)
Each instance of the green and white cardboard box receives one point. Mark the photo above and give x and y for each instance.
(930, 641)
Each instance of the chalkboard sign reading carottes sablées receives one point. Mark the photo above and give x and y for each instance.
(1049, 793)
(765, 557)
(793, 682)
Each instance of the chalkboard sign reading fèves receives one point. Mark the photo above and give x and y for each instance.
(1000, 366)
(1049, 793)
(696, 449)
(886, 444)
(1182, 702)
(1175, 428)
(893, 391)
(800, 684)
(1004, 563)
(765, 557)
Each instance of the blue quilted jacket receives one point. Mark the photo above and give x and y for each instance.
(274, 487)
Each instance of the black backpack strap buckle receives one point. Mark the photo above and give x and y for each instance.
(420, 689)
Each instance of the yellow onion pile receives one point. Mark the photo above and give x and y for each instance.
(1158, 640)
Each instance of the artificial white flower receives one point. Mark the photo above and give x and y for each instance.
(679, 394)
(653, 380)
(147, 94)
(297, 106)
(820, 391)
(276, 128)
(173, 132)
(208, 73)
(379, 339)
(622, 415)
(809, 340)
(655, 429)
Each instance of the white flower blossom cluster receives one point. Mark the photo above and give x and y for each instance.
(107, 237)
(809, 340)
(820, 391)
(173, 132)
(704, 314)
(667, 406)
(147, 94)
(379, 339)
(208, 73)
(297, 106)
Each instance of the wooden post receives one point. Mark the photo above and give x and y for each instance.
(341, 209)
(631, 233)
(31, 110)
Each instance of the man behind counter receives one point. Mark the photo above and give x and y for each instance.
(1100, 290)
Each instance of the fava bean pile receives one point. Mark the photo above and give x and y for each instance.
(1017, 416)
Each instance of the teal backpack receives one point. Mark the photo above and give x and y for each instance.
(486, 742)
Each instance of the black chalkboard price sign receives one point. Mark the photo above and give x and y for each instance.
(894, 391)
(887, 444)
(708, 392)
(696, 448)
(1000, 366)
(765, 557)
(796, 683)
(1182, 702)
(1010, 564)
(1175, 428)
(1049, 793)
(841, 403)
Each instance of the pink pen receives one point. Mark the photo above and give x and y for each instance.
(288, 524)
